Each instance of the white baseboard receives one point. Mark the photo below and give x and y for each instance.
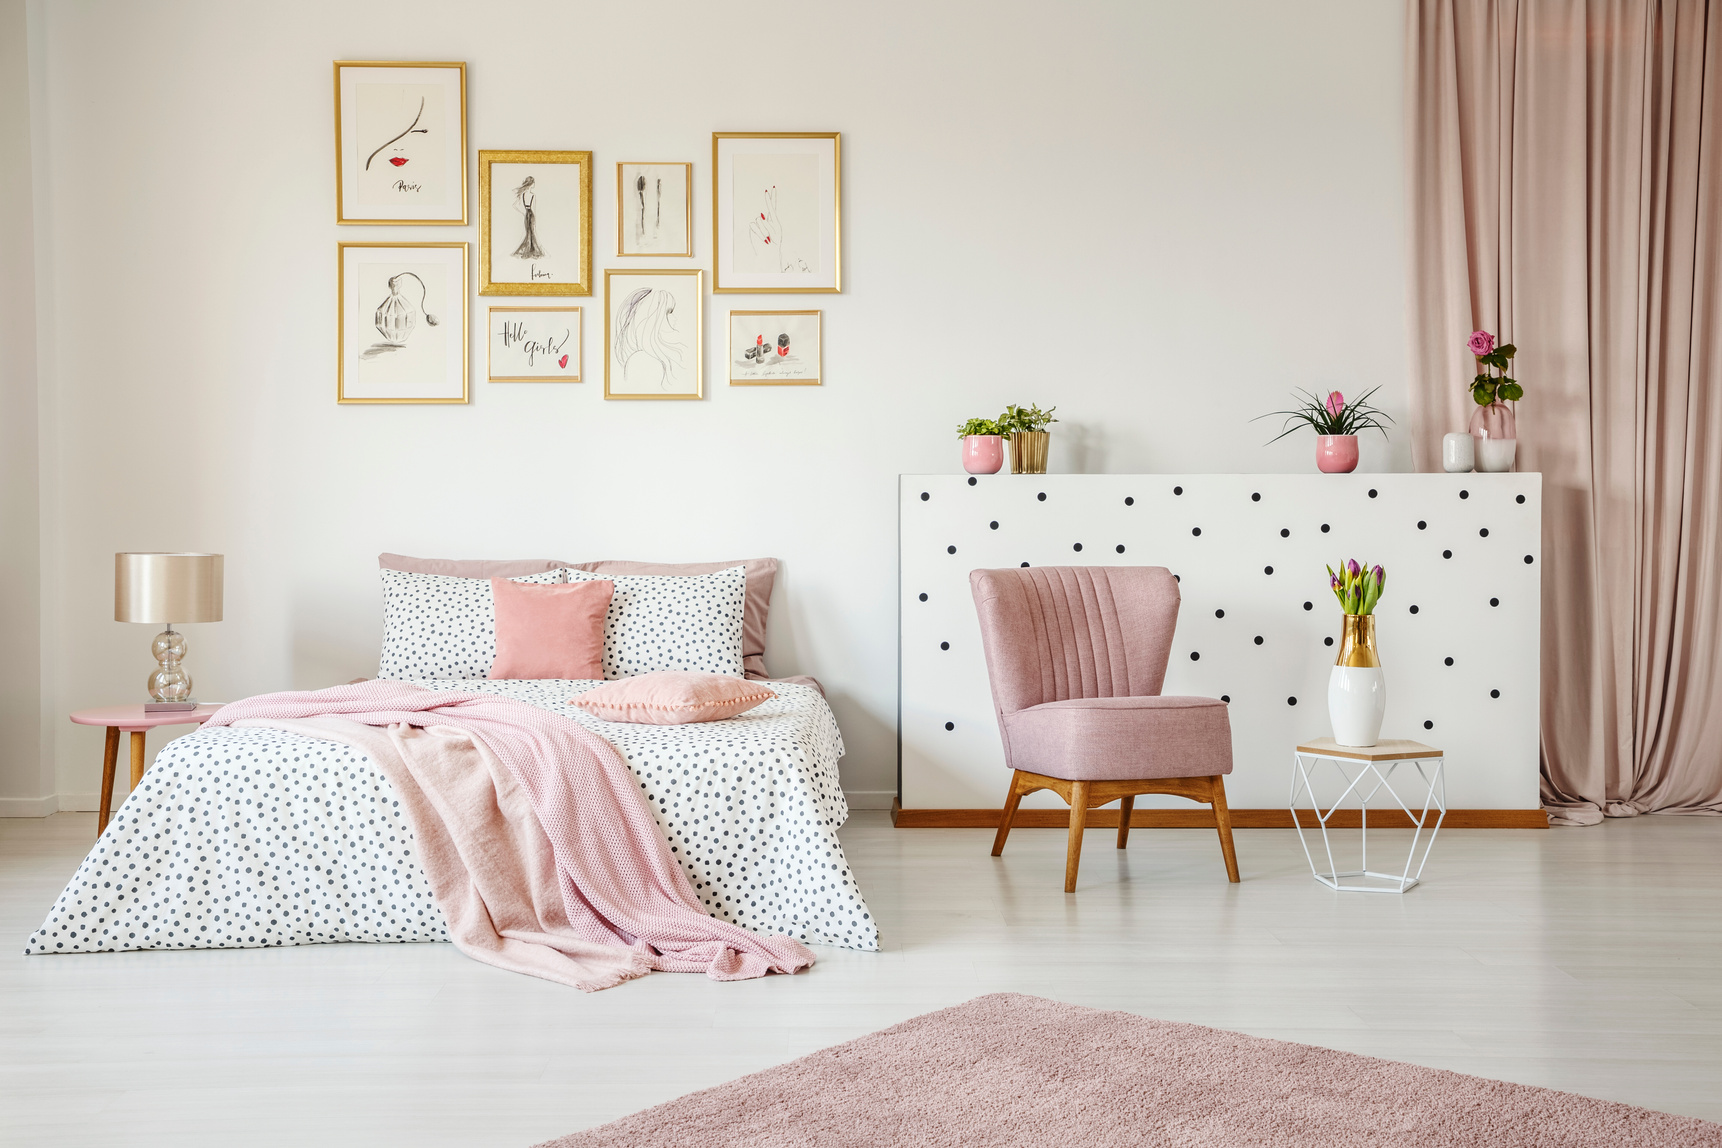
(87, 802)
(870, 798)
(29, 806)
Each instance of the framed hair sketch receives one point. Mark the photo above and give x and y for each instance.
(533, 345)
(401, 328)
(655, 209)
(534, 223)
(653, 334)
(400, 142)
(775, 348)
(776, 212)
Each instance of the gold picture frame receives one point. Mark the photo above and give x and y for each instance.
(799, 210)
(365, 195)
(785, 364)
(546, 345)
(646, 351)
(550, 271)
(624, 213)
(352, 294)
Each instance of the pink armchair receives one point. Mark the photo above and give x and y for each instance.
(1076, 656)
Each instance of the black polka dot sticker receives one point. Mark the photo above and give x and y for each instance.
(1194, 656)
(1177, 490)
(1219, 613)
(1077, 547)
(925, 496)
(950, 550)
(944, 645)
(1309, 605)
(1041, 497)
(1428, 725)
(1449, 661)
(1128, 501)
(1291, 701)
(1025, 565)
(1121, 548)
(1494, 693)
(1494, 601)
(1328, 641)
(1267, 569)
(973, 480)
(923, 597)
(1422, 525)
(1446, 554)
(1372, 492)
(1285, 533)
(1483, 533)
(993, 525)
(1464, 494)
(1414, 609)
(1520, 500)
(1195, 532)
(1529, 560)
(1258, 639)
(950, 725)
(1324, 528)
(1256, 497)
(1227, 698)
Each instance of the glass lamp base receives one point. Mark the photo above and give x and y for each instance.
(170, 682)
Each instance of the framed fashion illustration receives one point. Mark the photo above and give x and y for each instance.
(534, 223)
(655, 209)
(533, 345)
(400, 143)
(776, 212)
(401, 325)
(775, 348)
(654, 334)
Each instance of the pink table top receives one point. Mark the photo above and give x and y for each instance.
(132, 718)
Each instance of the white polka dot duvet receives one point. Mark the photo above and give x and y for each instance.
(243, 838)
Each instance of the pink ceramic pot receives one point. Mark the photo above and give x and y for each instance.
(984, 453)
(1336, 453)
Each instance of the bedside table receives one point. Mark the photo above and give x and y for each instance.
(132, 720)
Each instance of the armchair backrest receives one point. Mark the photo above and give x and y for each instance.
(1053, 633)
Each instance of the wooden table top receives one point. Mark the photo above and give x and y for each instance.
(132, 718)
(1387, 749)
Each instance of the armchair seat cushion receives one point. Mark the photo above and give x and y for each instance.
(1118, 739)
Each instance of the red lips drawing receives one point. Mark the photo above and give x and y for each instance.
(398, 160)
(562, 362)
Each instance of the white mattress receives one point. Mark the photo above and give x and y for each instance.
(242, 838)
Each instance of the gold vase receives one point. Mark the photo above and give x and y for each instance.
(1028, 451)
(1357, 646)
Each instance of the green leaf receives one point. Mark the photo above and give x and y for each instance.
(1512, 391)
(1507, 351)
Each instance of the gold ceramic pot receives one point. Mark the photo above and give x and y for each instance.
(1357, 646)
(1028, 451)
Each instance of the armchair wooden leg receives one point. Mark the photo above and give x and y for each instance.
(1223, 819)
(110, 755)
(1078, 822)
(1011, 801)
(1124, 808)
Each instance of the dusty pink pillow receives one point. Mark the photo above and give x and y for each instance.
(672, 697)
(549, 631)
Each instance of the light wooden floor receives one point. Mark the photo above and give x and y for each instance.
(1584, 959)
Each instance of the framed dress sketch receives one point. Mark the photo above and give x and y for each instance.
(401, 325)
(534, 223)
(775, 348)
(533, 345)
(777, 212)
(655, 209)
(653, 334)
(400, 142)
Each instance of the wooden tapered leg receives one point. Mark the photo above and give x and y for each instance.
(1223, 819)
(1011, 801)
(1078, 822)
(1124, 808)
(137, 757)
(110, 755)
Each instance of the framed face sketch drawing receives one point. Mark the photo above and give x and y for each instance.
(401, 329)
(534, 345)
(534, 223)
(776, 214)
(654, 209)
(400, 143)
(775, 348)
(653, 334)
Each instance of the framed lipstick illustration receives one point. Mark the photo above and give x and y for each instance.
(775, 348)
(534, 223)
(776, 212)
(400, 143)
(401, 326)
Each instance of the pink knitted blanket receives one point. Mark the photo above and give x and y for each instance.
(532, 831)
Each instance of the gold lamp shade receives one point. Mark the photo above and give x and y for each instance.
(167, 588)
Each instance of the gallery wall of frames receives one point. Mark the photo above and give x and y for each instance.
(405, 327)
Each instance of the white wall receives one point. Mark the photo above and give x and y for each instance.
(1159, 216)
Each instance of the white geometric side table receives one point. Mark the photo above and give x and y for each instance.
(1365, 773)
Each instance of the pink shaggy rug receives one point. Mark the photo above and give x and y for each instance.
(1008, 1069)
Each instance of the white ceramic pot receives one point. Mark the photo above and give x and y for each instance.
(1457, 453)
(1496, 454)
(1356, 703)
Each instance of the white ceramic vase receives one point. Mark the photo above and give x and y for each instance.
(1457, 452)
(1356, 703)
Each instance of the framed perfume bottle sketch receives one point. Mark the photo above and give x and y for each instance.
(401, 326)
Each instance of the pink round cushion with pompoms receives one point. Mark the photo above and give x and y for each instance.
(672, 697)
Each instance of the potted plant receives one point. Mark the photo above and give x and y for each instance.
(1356, 691)
(1493, 423)
(1336, 423)
(1029, 438)
(983, 446)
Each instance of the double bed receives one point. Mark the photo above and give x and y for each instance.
(252, 837)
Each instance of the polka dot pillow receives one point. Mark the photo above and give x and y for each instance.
(436, 626)
(672, 622)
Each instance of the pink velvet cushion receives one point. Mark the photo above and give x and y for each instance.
(1094, 739)
(550, 631)
(671, 697)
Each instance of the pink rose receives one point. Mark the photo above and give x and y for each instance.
(1335, 403)
(1481, 343)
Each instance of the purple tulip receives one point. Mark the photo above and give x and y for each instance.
(1380, 576)
(1352, 568)
(1334, 582)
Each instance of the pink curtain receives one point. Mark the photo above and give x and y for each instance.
(1566, 194)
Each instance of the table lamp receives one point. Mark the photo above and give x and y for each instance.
(168, 588)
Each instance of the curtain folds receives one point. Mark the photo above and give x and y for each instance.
(1565, 178)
